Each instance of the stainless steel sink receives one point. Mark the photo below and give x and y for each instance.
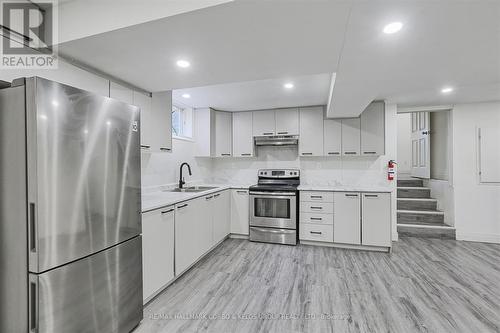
(192, 189)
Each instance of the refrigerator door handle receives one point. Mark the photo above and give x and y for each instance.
(33, 305)
(32, 227)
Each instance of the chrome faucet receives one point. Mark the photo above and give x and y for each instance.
(181, 179)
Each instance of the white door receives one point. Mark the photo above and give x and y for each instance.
(239, 212)
(287, 121)
(420, 145)
(332, 137)
(221, 216)
(223, 134)
(311, 129)
(264, 123)
(157, 250)
(351, 136)
(242, 134)
(376, 219)
(347, 217)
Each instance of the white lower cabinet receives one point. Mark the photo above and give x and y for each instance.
(157, 250)
(376, 219)
(221, 209)
(192, 228)
(240, 212)
(347, 218)
(316, 232)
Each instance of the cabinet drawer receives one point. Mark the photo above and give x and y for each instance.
(314, 196)
(316, 218)
(317, 207)
(316, 232)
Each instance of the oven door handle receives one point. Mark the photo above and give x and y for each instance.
(274, 194)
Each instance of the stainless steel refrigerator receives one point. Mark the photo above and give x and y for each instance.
(70, 210)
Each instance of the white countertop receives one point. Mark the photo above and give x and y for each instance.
(152, 200)
(345, 188)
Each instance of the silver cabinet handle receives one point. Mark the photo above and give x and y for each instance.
(333, 153)
(350, 153)
(182, 206)
(241, 191)
(316, 219)
(351, 195)
(33, 305)
(314, 207)
(369, 152)
(167, 211)
(282, 132)
(371, 195)
(165, 149)
(317, 196)
(216, 195)
(209, 197)
(145, 146)
(246, 154)
(316, 232)
(268, 133)
(306, 153)
(225, 154)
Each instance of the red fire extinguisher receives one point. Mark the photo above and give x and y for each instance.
(391, 169)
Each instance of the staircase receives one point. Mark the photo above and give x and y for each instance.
(417, 212)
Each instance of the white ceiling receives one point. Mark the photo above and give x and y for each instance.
(443, 42)
(257, 95)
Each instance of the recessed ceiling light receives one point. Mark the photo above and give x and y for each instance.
(183, 63)
(447, 90)
(186, 95)
(55, 103)
(393, 27)
(108, 123)
(288, 85)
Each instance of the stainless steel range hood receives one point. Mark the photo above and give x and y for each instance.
(277, 140)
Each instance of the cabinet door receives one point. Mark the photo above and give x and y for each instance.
(332, 136)
(242, 134)
(223, 134)
(221, 216)
(376, 220)
(147, 124)
(121, 93)
(373, 129)
(311, 123)
(157, 250)
(264, 123)
(346, 220)
(161, 111)
(287, 121)
(192, 228)
(239, 212)
(351, 136)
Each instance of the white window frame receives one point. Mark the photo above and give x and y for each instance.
(187, 116)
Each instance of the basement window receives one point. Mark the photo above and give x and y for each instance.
(182, 122)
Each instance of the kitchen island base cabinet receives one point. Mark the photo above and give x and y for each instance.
(347, 217)
(157, 250)
(376, 219)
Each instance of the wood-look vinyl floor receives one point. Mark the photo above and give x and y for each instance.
(425, 285)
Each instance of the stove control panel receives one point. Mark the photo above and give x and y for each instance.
(279, 173)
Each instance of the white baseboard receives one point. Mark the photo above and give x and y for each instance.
(395, 236)
(478, 237)
(238, 236)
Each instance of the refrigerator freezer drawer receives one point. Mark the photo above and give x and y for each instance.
(100, 293)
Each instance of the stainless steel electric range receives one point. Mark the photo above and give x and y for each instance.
(273, 207)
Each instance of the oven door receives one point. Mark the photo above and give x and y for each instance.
(273, 209)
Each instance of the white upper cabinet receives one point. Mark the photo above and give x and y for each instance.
(287, 121)
(121, 93)
(161, 121)
(223, 134)
(147, 122)
(264, 123)
(311, 123)
(242, 134)
(373, 129)
(332, 136)
(351, 136)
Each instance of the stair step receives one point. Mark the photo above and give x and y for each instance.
(420, 217)
(414, 192)
(420, 204)
(414, 182)
(411, 230)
